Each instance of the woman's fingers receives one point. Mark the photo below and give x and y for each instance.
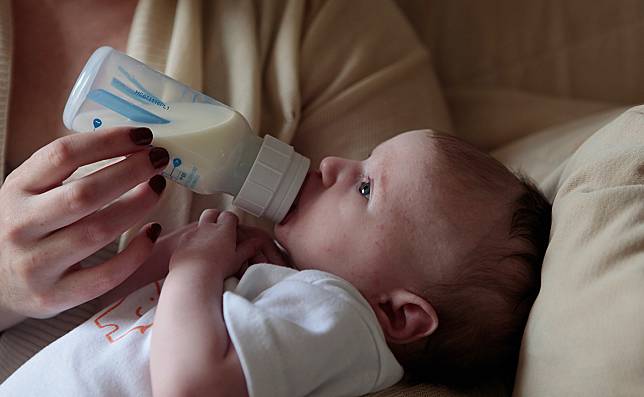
(87, 284)
(228, 218)
(81, 197)
(246, 250)
(55, 162)
(79, 240)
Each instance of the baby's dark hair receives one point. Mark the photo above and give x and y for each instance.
(484, 307)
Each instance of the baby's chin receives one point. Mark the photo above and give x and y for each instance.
(283, 246)
(287, 236)
(278, 232)
(282, 231)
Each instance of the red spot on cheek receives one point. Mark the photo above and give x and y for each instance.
(327, 247)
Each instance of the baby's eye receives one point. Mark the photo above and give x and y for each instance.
(365, 188)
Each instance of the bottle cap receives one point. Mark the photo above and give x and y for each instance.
(274, 180)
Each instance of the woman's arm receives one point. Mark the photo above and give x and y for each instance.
(191, 352)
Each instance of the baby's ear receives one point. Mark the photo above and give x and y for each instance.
(404, 316)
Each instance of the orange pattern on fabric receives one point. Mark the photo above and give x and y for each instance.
(114, 328)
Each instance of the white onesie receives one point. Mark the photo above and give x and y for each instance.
(297, 333)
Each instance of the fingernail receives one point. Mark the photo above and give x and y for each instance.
(157, 183)
(153, 232)
(159, 157)
(141, 135)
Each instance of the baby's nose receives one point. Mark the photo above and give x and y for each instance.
(329, 170)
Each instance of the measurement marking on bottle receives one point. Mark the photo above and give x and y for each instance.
(175, 163)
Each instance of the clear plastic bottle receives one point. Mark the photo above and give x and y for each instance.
(212, 148)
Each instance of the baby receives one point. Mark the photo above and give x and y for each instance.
(425, 256)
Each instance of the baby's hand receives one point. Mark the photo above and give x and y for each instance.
(268, 252)
(213, 246)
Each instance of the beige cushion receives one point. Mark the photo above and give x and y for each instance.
(585, 332)
(492, 117)
(542, 154)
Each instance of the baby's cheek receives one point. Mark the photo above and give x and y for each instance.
(321, 251)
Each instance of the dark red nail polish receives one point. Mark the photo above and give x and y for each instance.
(157, 183)
(141, 136)
(153, 232)
(159, 157)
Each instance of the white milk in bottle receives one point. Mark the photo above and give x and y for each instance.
(206, 152)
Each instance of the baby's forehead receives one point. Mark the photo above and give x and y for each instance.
(410, 152)
(408, 185)
(418, 161)
(418, 152)
(444, 199)
(420, 139)
(441, 179)
(445, 156)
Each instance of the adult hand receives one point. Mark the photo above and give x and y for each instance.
(46, 227)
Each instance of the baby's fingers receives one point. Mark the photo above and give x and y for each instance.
(269, 251)
(248, 249)
(224, 223)
(228, 218)
(273, 254)
(209, 216)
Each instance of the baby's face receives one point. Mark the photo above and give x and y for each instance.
(365, 220)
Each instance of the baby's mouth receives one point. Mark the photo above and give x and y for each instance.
(293, 208)
(289, 213)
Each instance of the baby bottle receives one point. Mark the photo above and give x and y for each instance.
(211, 146)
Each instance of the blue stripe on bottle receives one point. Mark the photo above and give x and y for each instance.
(125, 108)
(139, 85)
(118, 84)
